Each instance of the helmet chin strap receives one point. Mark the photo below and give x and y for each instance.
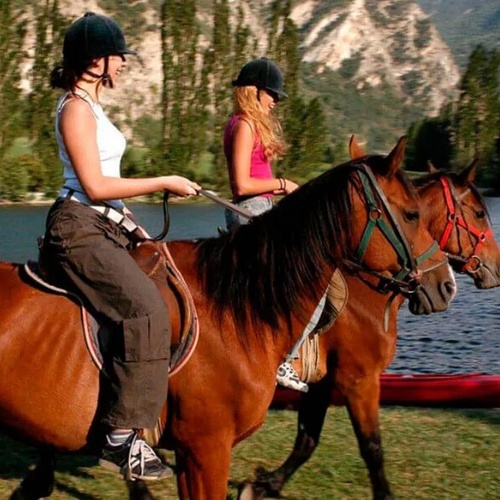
(105, 76)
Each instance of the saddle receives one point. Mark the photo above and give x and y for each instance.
(157, 263)
(311, 364)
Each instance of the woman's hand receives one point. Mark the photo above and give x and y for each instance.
(286, 186)
(180, 186)
(289, 186)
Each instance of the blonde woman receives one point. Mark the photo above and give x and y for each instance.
(252, 139)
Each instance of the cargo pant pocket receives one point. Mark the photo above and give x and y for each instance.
(146, 338)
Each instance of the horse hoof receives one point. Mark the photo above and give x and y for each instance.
(20, 494)
(251, 491)
(16, 495)
(138, 490)
(271, 482)
(246, 492)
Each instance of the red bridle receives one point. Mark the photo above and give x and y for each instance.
(473, 262)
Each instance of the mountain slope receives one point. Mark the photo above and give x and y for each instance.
(464, 24)
(380, 42)
(369, 61)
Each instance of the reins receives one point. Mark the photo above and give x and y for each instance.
(405, 281)
(166, 218)
(208, 194)
(226, 204)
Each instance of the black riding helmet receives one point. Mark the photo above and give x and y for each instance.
(91, 37)
(263, 74)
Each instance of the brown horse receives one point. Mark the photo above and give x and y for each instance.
(456, 216)
(254, 291)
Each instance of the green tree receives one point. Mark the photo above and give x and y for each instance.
(429, 140)
(241, 41)
(314, 137)
(183, 98)
(222, 68)
(49, 31)
(12, 35)
(477, 118)
(14, 180)
(303, 123)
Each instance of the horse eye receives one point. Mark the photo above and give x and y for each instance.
(480, 214)
(411, 216)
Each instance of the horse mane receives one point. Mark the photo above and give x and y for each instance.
(262, 271)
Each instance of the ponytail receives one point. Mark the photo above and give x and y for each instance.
(64, 78)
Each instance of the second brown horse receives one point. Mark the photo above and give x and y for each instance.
(457, 217)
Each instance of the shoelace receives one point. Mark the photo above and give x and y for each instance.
(142, 452)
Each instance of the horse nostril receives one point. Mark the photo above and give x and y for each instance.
(448, 288)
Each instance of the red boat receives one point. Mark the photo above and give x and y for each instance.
(471, 390)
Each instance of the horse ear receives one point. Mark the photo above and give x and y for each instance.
(468, 175)
(395, 157)
(431, 168)
(355, 150)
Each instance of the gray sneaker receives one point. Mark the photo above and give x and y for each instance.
(134, 459)
(287, 376)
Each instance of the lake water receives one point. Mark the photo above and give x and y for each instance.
(466, 338)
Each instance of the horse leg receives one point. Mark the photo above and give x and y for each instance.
(138, 490)
(311, 417)
(39, 483)
(181, 475)
(203, 473)
(363, 408)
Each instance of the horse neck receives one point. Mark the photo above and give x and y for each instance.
(371, 306)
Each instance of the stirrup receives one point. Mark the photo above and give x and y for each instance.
(287, 376)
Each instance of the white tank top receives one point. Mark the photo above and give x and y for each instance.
(111, 144)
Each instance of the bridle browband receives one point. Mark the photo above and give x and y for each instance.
(407, 279)
(472, 263)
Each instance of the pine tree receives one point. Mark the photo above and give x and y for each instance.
(12, 35)
(429, 141)
(477, 119)
(183, 98)
(303, 123)
(49, 29)
(241, 41)
(314, 139)
(222, 68)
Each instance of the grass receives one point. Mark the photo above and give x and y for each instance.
(430, 454)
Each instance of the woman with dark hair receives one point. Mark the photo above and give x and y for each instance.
(88, 233)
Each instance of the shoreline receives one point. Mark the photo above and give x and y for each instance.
(131, 201)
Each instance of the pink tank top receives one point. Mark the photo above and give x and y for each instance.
(260, 166)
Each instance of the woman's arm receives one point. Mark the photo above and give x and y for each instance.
(241, 154)
(78, 128)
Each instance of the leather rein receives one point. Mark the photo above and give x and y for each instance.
(406, 281)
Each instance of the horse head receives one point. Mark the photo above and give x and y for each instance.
(402, 244)
(458, 219)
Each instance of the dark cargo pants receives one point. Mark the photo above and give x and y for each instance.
(87, 253)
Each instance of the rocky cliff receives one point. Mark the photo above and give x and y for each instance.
(379, 42)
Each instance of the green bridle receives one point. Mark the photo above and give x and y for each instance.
(406, 280)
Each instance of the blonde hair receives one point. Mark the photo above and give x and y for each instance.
(267, 127)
